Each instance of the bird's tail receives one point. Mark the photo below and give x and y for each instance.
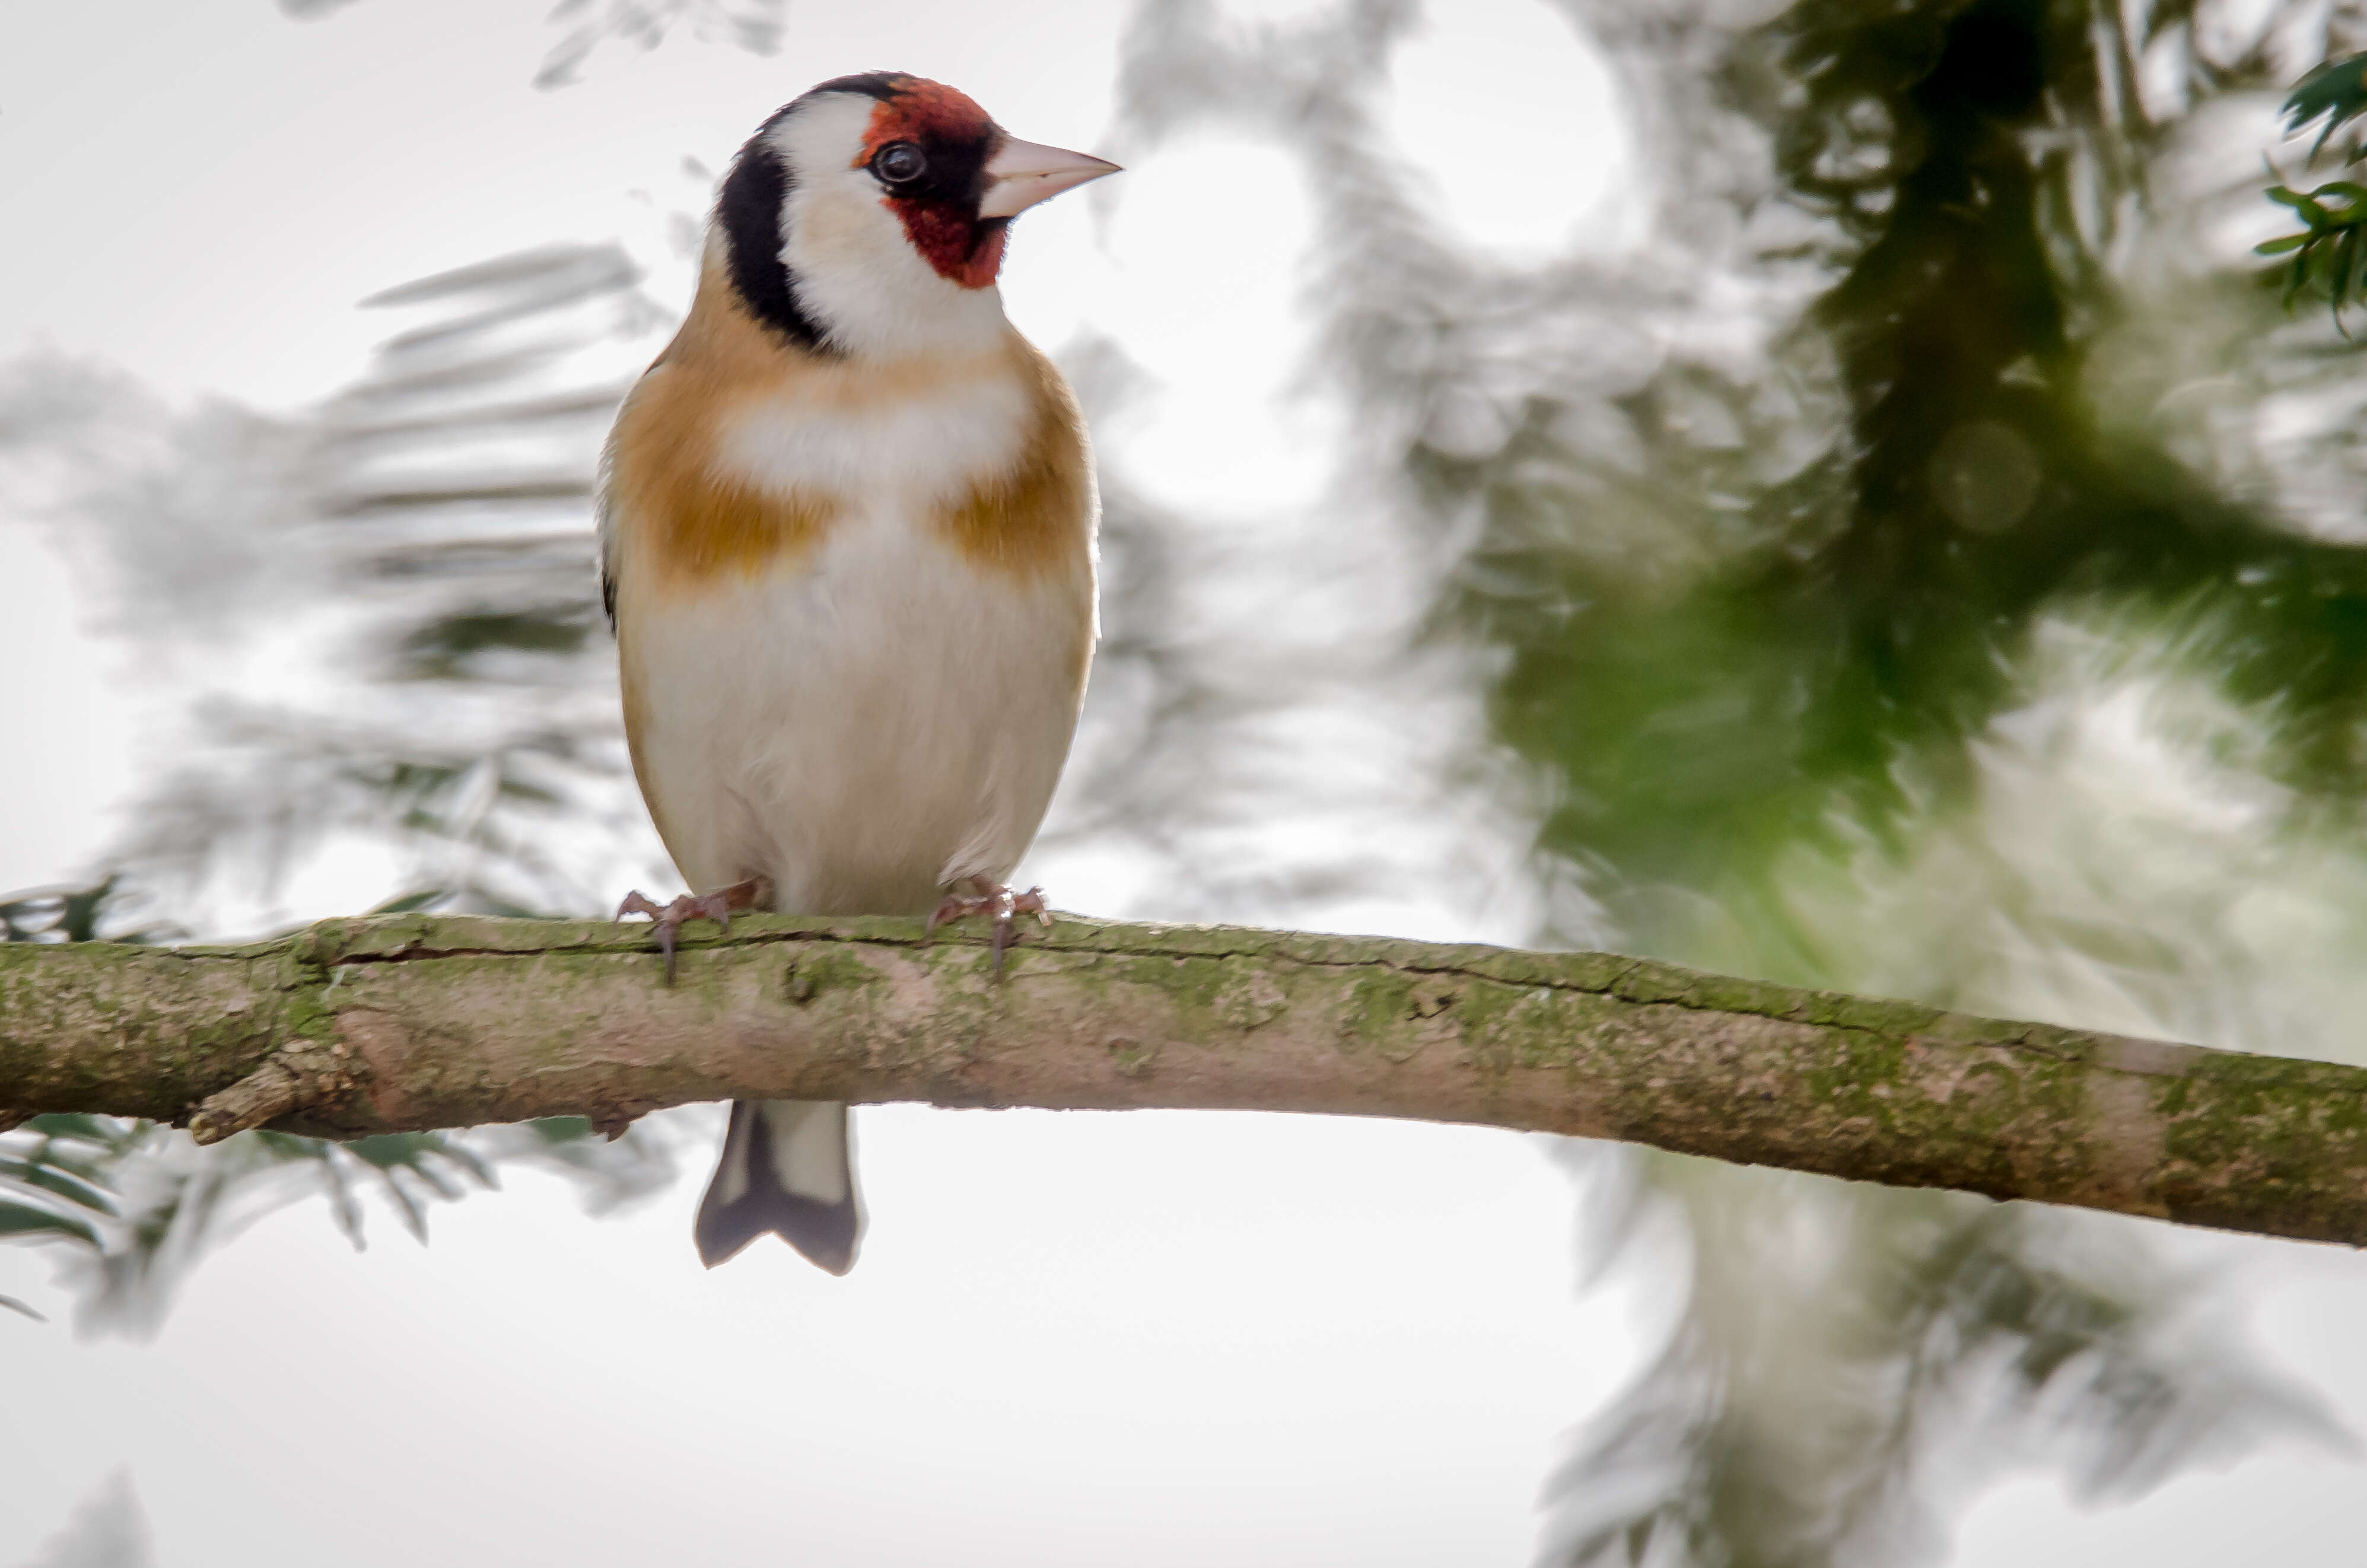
(788, 1167)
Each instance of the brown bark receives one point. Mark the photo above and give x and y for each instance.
(409, 1022)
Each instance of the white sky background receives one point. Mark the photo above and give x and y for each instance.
(1073, 1340)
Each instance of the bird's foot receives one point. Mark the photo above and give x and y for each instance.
(991, 898)
(717, 906)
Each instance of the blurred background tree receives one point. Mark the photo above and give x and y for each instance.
(1922, 560)
(1920, 441)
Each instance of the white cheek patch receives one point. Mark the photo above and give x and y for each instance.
(851, 264)
(929, 447)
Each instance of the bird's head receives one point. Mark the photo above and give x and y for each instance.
(869, 216)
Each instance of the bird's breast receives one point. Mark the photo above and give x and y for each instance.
(714, 478)
(928, 447)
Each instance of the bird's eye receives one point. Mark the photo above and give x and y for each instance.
(899, 163)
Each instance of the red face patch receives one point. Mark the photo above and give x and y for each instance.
(957, 245)
(940, 210)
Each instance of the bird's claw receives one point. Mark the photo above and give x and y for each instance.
(717, 906)
(995, 899)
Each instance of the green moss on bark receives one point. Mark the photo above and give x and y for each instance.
(421, 1017)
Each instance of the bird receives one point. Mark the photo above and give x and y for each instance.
(847, 546)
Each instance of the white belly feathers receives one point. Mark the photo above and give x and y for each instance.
(869, 719)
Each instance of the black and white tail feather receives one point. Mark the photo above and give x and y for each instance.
(788, 1167)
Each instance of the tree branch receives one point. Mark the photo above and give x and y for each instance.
(409, 1022)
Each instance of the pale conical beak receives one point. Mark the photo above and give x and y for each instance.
(1022, 174)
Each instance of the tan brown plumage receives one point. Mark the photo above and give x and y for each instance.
(1022, 519)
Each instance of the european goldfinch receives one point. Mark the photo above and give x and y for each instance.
(847, 546)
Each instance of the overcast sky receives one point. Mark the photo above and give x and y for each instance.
(1156, 1339)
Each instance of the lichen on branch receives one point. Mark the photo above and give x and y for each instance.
(412, 1022)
